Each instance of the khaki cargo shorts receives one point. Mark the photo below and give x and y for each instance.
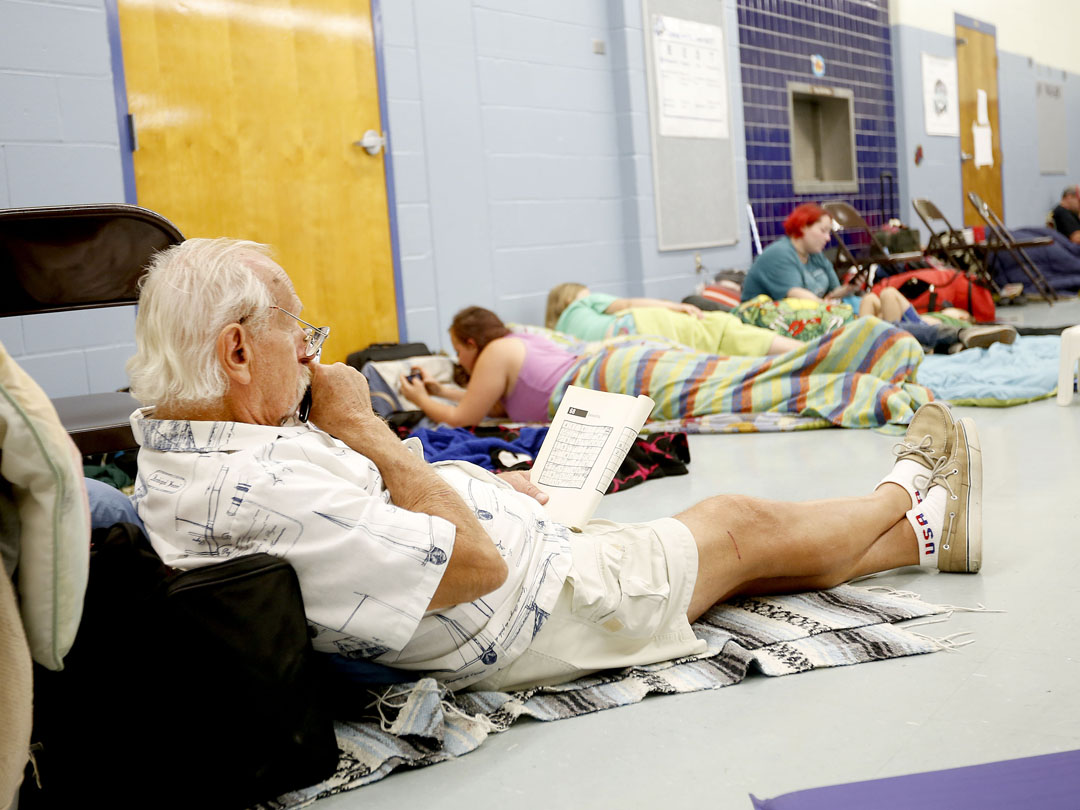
(623, 604)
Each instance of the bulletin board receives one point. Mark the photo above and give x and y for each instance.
(1050, 114)
(689, 94)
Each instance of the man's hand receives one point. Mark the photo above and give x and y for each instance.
(341, 406)
(522, 483)
(340, 399)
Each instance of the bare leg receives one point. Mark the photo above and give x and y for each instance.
(744, 544)
(893, 305)
(870, 305)
(878, 558)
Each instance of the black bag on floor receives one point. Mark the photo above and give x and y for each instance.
(378, 352)
(193, 689)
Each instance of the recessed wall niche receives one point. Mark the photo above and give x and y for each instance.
(822, 139)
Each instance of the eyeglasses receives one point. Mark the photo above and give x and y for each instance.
(313, 335)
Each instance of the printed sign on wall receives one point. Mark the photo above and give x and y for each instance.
(691, 87)
(940, 96)
(1053, 131)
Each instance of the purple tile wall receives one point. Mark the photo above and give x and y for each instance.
(776, 41)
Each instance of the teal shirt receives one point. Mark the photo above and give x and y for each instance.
(778, 268)
(585, 319)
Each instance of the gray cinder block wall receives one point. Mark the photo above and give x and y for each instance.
(59, 145)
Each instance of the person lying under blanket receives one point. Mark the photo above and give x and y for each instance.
(451, 571)
(575, 310)
(862, 375)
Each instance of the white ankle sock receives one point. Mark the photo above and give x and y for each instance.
(927, 518)
(904, 473)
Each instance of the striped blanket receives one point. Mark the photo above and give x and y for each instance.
(421, 723)
(862, 375)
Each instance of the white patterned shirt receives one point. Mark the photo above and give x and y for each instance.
(208, 491)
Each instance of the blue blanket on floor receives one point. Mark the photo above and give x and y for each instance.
(1059, 262)
(998, 376)
(446, 444)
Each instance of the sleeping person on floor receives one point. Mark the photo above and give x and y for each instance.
(862, 375)
(577, 311)
(451, 571)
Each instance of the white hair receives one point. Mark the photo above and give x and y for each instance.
(189, 293)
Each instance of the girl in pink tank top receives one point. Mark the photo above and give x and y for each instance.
(492, 355)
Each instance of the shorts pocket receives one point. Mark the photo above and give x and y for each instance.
(622, 589)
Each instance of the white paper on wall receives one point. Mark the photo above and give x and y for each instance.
(691, 83)
(1053, 128)
(984, 145)
(940, 105)
(983, 117)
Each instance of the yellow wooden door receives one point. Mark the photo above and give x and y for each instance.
(976, 65)
(247, 114)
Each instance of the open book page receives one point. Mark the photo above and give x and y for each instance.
(587, 441)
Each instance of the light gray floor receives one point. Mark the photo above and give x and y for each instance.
(1012, 693)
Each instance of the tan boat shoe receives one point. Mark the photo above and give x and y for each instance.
(961, 539)
(930, 437)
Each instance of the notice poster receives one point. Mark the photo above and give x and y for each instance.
(941, 109)
(983, 135)
(691, 84)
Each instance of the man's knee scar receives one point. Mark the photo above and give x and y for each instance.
(729, 534)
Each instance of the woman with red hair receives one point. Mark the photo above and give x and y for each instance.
(794, 266)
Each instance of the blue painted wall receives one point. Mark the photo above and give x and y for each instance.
(1027, 194)
(59, 145)
(523, 157)
(937, 177)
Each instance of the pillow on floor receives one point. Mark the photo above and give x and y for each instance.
(44, 469)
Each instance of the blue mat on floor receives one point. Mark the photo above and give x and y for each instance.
(1049, 782)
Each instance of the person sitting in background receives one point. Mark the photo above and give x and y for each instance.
(577, 311)
(795, 266)
(1066, 214)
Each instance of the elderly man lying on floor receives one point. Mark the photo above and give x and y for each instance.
(449, 570)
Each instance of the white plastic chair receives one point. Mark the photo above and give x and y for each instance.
(1070, 353)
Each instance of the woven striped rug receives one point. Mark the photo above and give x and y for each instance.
(421, 723)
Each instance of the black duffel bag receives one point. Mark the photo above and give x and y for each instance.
(377, 352)
(183, 689)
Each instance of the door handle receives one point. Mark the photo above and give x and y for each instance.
(372, 142)
(966, 156)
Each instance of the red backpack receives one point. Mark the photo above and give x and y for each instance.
(933, 289)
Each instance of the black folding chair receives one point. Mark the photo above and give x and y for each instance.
(57, 259)
(872, 253)
(998, 239)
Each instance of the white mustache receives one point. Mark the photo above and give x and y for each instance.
(302, 384)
